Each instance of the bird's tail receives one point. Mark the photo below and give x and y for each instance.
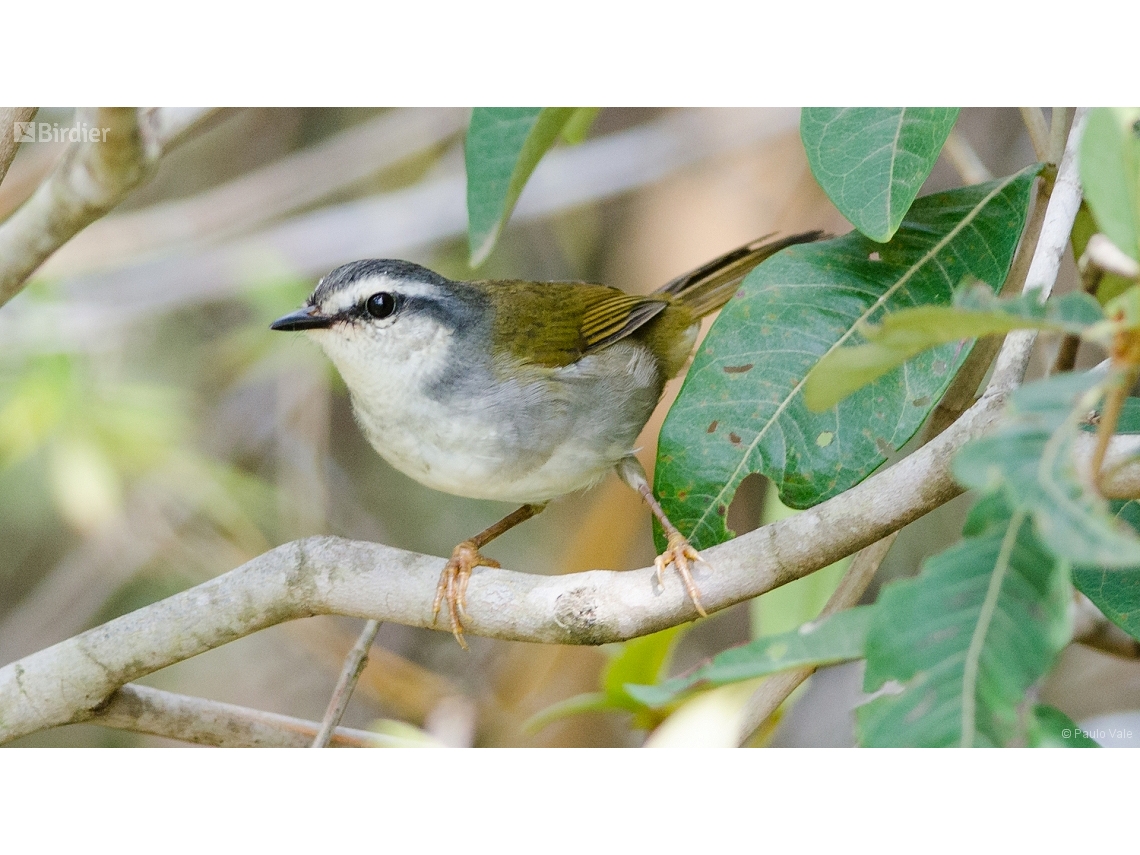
(711, 285)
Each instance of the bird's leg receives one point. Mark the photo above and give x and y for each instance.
(466, 557)
(679, 552)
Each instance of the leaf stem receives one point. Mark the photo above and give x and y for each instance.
(985, 617)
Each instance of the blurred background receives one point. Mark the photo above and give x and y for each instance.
(154, 433)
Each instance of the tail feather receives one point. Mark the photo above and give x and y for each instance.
(711, 285)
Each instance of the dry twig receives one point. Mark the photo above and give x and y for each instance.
(353, 665)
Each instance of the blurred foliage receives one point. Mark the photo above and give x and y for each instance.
(639, 660)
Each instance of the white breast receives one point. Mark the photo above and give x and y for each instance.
(529, 439)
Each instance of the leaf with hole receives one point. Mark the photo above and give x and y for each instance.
(872, 161)
(741, 408)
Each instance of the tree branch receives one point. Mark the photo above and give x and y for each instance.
(145, 710)
(326, 575)
(8, 142)
(92, 178)
(1064, 201)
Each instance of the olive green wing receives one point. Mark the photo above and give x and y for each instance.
(614, 317)
(554, 324)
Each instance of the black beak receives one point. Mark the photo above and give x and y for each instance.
(307, 318)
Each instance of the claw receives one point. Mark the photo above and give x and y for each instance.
(679, 553)
(453, 586)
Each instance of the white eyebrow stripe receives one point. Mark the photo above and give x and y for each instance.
(355, 293)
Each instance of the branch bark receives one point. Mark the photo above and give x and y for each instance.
(92, 178)
(145, 710)
(8, 142)
(325, 575)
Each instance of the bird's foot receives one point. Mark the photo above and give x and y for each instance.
(453, 585)
(680, 553)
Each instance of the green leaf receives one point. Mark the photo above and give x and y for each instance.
(741, 409)
(1110, 174)
(1051, 728)
(838, 638)
(578, 125)
(504, 145)
(872, 161)
(1084, 227)
(1116, 592)
(639, 660)
(904, 334)
(1129, 419)
(1029, 459)
(954, 651)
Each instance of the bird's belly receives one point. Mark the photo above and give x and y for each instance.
(528, 443)
(477, 458)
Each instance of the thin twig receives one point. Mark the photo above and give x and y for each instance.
(776, 689)
(1102, 253)
(9, 144)
(353, 664)
(964, 159)
(963, 391)
(1064, 202)
(142, 709)
(1058, 133)
(1038, 129)
(1091, 276)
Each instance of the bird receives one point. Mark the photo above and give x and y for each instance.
(514, 390)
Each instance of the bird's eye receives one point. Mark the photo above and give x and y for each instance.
(380, 305)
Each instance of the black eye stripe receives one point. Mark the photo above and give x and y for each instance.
(380, 305)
